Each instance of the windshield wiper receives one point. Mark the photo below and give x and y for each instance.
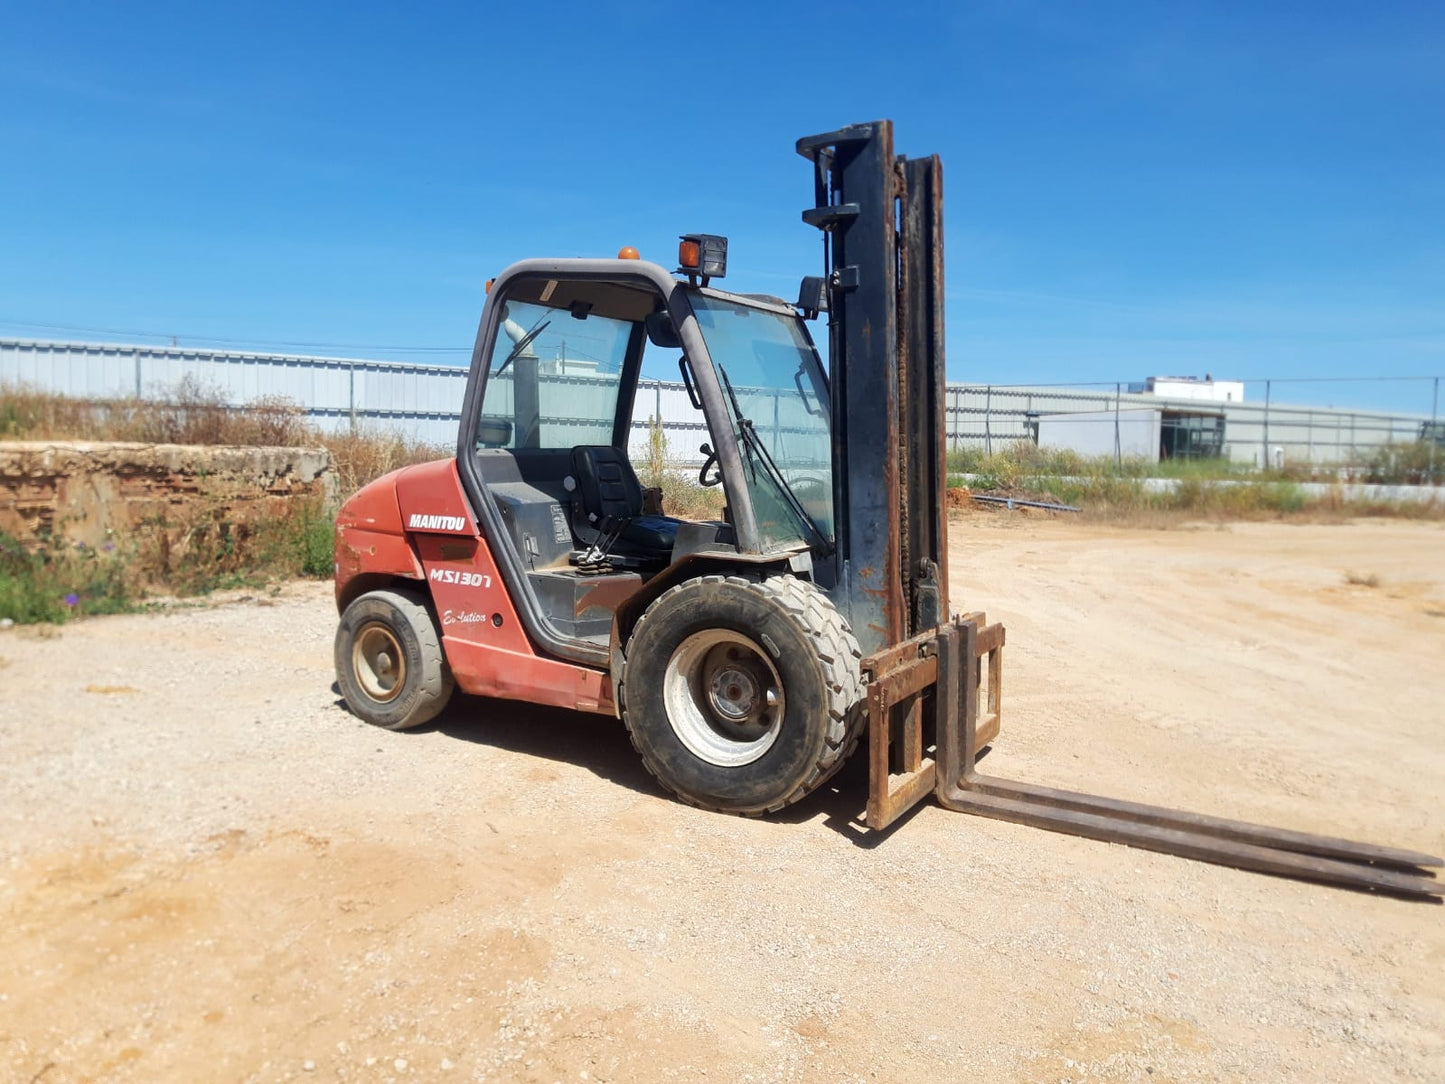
(760, 454)
(522, 344)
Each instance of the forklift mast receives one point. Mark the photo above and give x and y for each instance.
(933, 693)
(882, 223)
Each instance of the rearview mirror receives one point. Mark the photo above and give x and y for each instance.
(494, 432)
(813, 296)
(660, 331)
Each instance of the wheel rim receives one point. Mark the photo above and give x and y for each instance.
(378, 662)
(724, 698)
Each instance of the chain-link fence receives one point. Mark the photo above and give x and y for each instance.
(425, 402)
(1096, 419)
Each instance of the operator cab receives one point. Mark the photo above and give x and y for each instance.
(553, 434)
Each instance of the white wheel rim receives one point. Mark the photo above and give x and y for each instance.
(723, 697)
(378, 661)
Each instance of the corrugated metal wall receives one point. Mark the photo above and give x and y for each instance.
(424, 400)
(1130, 433)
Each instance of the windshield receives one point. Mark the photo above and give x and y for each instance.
(777, 399)
(554, 378)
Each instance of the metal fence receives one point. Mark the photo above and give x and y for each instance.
(991, 416)
(424, 401)
(421, 400)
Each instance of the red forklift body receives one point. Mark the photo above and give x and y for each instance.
(414, 525)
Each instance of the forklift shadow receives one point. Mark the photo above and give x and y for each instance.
(840, 803)
(599, 743)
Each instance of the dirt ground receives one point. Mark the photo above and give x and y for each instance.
(209, 871)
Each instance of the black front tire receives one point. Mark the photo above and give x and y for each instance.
(742, 695)
(389, 661)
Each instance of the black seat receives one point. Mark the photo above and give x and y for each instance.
(608, 501)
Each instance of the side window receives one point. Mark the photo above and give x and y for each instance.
(553, 379)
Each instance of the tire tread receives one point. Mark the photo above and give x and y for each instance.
(837, 652)
(437, 683)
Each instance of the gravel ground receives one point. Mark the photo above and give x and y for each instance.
(210, 871)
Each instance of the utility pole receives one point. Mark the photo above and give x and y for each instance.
(987, 420)
(1118, 449)
(1264, 463)
(1434, 427)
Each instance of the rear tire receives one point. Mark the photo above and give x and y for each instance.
(389, 661)
(742, 695)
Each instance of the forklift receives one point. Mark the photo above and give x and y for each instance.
(748, 655)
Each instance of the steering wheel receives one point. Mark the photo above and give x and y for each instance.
(710, 461)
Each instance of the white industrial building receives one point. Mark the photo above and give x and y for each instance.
(1097, 421)
(1131, 434)
(1191, 387)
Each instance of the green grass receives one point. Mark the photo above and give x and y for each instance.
(1105, 489)
(1404, 464)
(58, 580)
(211, 550)
(682, 496)
(1023, 459)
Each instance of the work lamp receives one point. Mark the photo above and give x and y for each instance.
(704, 254)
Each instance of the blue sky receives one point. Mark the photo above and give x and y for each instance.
(1250, 189)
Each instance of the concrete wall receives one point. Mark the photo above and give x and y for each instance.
(95, 492)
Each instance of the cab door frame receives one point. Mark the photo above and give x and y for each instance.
(673, 294)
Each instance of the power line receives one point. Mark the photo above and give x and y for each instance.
(1330, 379)
(240, 342)
(1124, 384)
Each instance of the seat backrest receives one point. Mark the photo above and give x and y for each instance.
(606, 482)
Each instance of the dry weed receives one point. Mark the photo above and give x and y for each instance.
(1355, 579)
(367, 454)
(191, 413)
